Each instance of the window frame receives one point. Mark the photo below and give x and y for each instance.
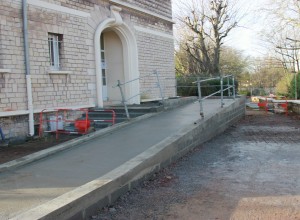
(55, 50)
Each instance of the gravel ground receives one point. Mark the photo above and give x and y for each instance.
(249, 172)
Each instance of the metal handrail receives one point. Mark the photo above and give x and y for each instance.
(125, 100)
(127, 82)
(221, 91)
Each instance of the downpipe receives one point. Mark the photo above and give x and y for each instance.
(27, 69)
(2, 134)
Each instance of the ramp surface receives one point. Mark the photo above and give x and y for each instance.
(26, 187)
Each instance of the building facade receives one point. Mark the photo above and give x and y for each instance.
(77, 52)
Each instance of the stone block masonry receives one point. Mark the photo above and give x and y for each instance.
(153, 49)
(294, 106)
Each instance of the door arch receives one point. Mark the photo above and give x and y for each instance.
(130, 58)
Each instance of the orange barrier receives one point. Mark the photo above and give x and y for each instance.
(263, 104)
(68, 121)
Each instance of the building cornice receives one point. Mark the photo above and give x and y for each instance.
(154, 32)
(139, 9)
(58, 8)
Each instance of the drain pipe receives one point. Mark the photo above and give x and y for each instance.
(27, 69)
(1, 134)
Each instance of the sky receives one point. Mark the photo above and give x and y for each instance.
(245, 38)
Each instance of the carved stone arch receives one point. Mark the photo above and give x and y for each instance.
(130, 55)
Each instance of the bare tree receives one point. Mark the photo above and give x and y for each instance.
(284, 38)
(205, 26)
(282, 34)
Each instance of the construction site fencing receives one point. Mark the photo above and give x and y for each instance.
(69, 121)
(122, 87)
(273, 104)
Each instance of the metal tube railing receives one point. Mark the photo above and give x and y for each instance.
(124, 100)
(221, 91)
(200, 102)
(160, 89)
(132, 80)
(233, 87)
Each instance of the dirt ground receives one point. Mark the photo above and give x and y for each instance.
(249, 172)
(15, 151)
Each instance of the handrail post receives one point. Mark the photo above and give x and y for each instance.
(200, 97)
(176, 86)
(160, 89)
(56, 123)
(222, 91)
(41, 124)
(233, 87)
(228, 87)
(123, 99)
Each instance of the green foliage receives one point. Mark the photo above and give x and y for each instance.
(233, 62)
(291, 88)
(259, 91)
(282, 87)
(245, 92)
(187, 86)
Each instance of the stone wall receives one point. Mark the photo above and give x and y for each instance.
(155, 44)
(12, 85)
(152, 52)
(295, 107)
(14, 127)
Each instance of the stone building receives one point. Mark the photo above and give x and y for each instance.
(77, 50)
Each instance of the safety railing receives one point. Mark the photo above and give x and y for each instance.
(63, 121)
(121, 86)
(221, 91)
(69, 121)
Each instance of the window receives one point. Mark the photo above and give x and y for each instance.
(55, 43)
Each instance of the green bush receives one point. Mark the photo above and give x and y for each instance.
(291, 88)
(245, 92)
(187, 86)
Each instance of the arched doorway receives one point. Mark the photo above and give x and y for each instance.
(121, 61)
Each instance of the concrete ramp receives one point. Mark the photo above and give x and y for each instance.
(136, 153)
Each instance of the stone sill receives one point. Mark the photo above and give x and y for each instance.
(59, 72)
(13, 113)
(5, 70)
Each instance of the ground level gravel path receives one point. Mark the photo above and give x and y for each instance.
(252, 171)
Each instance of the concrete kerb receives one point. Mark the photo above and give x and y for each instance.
(83, 201)
(64, 146)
